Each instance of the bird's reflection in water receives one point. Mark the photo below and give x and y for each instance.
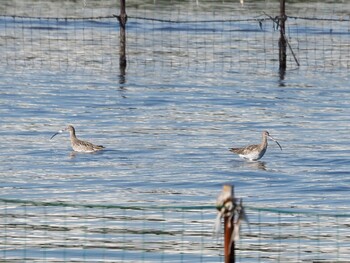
(257, 165)
(73, 154)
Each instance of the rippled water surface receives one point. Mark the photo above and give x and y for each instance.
(168, 122)
(169, 142)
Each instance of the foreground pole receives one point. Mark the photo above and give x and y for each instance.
(225, 204)
(233, 214)
(229, 229)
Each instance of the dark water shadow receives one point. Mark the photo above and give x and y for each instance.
(122, 80)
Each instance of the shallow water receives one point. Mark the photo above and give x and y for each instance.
(167, 140)
(168, 122)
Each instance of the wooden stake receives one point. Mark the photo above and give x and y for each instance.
(122, 18)
(229, 245)
(282, 41)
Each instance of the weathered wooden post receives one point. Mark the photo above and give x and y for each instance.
(122, 18)
(282, 41)
(229, 225)
(234, 214)
(225, 204)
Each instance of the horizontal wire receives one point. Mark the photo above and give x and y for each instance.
(176, 207)
(175, 21)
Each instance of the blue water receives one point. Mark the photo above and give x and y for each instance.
(169, 140)
(190, 92)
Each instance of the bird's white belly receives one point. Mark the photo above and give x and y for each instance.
(252, 156)
(82, 149)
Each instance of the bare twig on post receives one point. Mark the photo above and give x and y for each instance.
(277, 25)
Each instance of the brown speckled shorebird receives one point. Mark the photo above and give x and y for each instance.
(256, 151)
(79, 145)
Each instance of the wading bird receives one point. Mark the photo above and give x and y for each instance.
(79, 145)
(256, 151)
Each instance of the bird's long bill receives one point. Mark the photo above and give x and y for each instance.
(56, 134)
(276, 142)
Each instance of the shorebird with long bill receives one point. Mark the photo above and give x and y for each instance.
(256, 151)
(79, 145)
